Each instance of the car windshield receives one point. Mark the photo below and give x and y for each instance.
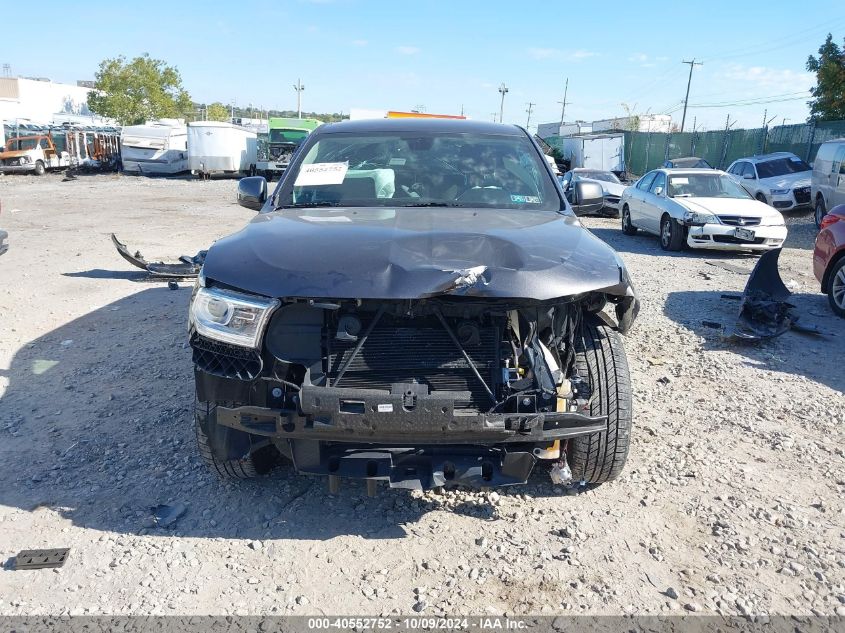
(287, 136)
(607, 176)
(417, 169)
(705, 186)
(781, 167)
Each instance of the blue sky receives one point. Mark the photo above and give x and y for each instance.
(447, 55)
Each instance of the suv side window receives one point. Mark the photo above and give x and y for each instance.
(748, 170)
(659, 181)
(645, 181)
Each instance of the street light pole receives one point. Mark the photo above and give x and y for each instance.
(299, 88)
(503, 90)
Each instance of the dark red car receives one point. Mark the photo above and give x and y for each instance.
(829, 258)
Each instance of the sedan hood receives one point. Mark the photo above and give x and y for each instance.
(729, 206)
(788, 181)
(411, 253)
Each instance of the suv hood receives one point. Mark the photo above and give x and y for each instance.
(411, 253)
(801, 179)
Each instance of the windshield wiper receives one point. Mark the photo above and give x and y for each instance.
(310, 205)
(435, 204)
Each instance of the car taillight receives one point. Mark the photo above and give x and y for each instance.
(830, 219)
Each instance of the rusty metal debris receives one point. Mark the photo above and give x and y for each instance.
(186, 267)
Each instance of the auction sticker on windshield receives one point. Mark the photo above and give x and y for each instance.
(321, 174)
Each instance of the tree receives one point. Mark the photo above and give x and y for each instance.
(217, 112)
(828, 102)
(138, 90)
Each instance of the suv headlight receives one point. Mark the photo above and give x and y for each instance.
(696, 218)
(231, 317)
(779, 192)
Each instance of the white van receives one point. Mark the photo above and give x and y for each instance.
(828, 183)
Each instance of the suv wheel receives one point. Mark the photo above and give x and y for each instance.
(820, 211)
(599, 355)
(836, 288)
(627, 227)
(761, 198)
(39, 168)
(230, 453)
(671, 234)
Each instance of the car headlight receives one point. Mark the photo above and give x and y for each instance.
(24, 160)
(231, 317)
(697, 218)
(779, 192)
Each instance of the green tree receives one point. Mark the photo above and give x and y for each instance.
(828, 102)
(138, 90)
(217, 112)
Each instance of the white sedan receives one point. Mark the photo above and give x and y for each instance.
(700, 208)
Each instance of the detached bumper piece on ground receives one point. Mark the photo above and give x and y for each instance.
(186, 268)
(766, 311)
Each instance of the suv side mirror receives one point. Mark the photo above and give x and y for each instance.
(749, 177)
(588, 197)
(252, 192)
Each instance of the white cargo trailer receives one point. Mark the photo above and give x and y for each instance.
(605, 152)
(216, 147)
(157, 147)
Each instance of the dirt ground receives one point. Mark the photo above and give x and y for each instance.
(732, 501)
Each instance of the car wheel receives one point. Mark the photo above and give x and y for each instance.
(836, 288)
(761, 198)
(820, 212)
(40, 170)
(232, 454)
(671, 234)
(600, 357)
(627, 227)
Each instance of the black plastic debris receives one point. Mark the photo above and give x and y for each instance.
(186, 267)
(41, 558)
(167, 515)
(172, 285)
(765, 309)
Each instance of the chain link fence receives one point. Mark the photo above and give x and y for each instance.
(648, 150)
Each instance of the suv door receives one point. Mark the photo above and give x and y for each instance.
(652, 207)
(837, 178)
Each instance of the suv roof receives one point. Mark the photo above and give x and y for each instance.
(423, 125)
(760, 158)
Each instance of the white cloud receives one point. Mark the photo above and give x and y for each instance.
(359, 42)
(557, 54)
(763, 77)
(407, 50)
(644, 61)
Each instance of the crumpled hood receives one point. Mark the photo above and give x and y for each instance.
(409, 253)
(609, 188)
(789, 181)
(14, 153)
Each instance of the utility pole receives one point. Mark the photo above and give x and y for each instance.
(299, 88)
(563, 103)
(692, 64)
(530, 107)
(503, 90)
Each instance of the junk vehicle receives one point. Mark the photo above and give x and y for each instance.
(32, 154)
(283, 136)
(157, 147)
(780, 179)
(602, 152)
(415, 303)
(216, 147)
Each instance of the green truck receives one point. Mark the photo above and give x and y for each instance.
(276, 148)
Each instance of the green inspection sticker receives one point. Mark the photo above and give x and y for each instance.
(524, 199)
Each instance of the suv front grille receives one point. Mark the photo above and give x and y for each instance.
(739, 220)
(427, 355)
(802, 195)
(225, 360)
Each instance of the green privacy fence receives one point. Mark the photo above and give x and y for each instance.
(648, 150)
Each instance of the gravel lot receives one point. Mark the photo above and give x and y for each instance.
(733, 499)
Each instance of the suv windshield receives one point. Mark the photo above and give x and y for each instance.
(781, 167)
(607, 176)
(705, 186)
(287, 136)
(422, 169)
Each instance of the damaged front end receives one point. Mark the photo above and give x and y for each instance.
(418, 393)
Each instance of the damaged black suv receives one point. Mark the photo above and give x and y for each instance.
(415, 303)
